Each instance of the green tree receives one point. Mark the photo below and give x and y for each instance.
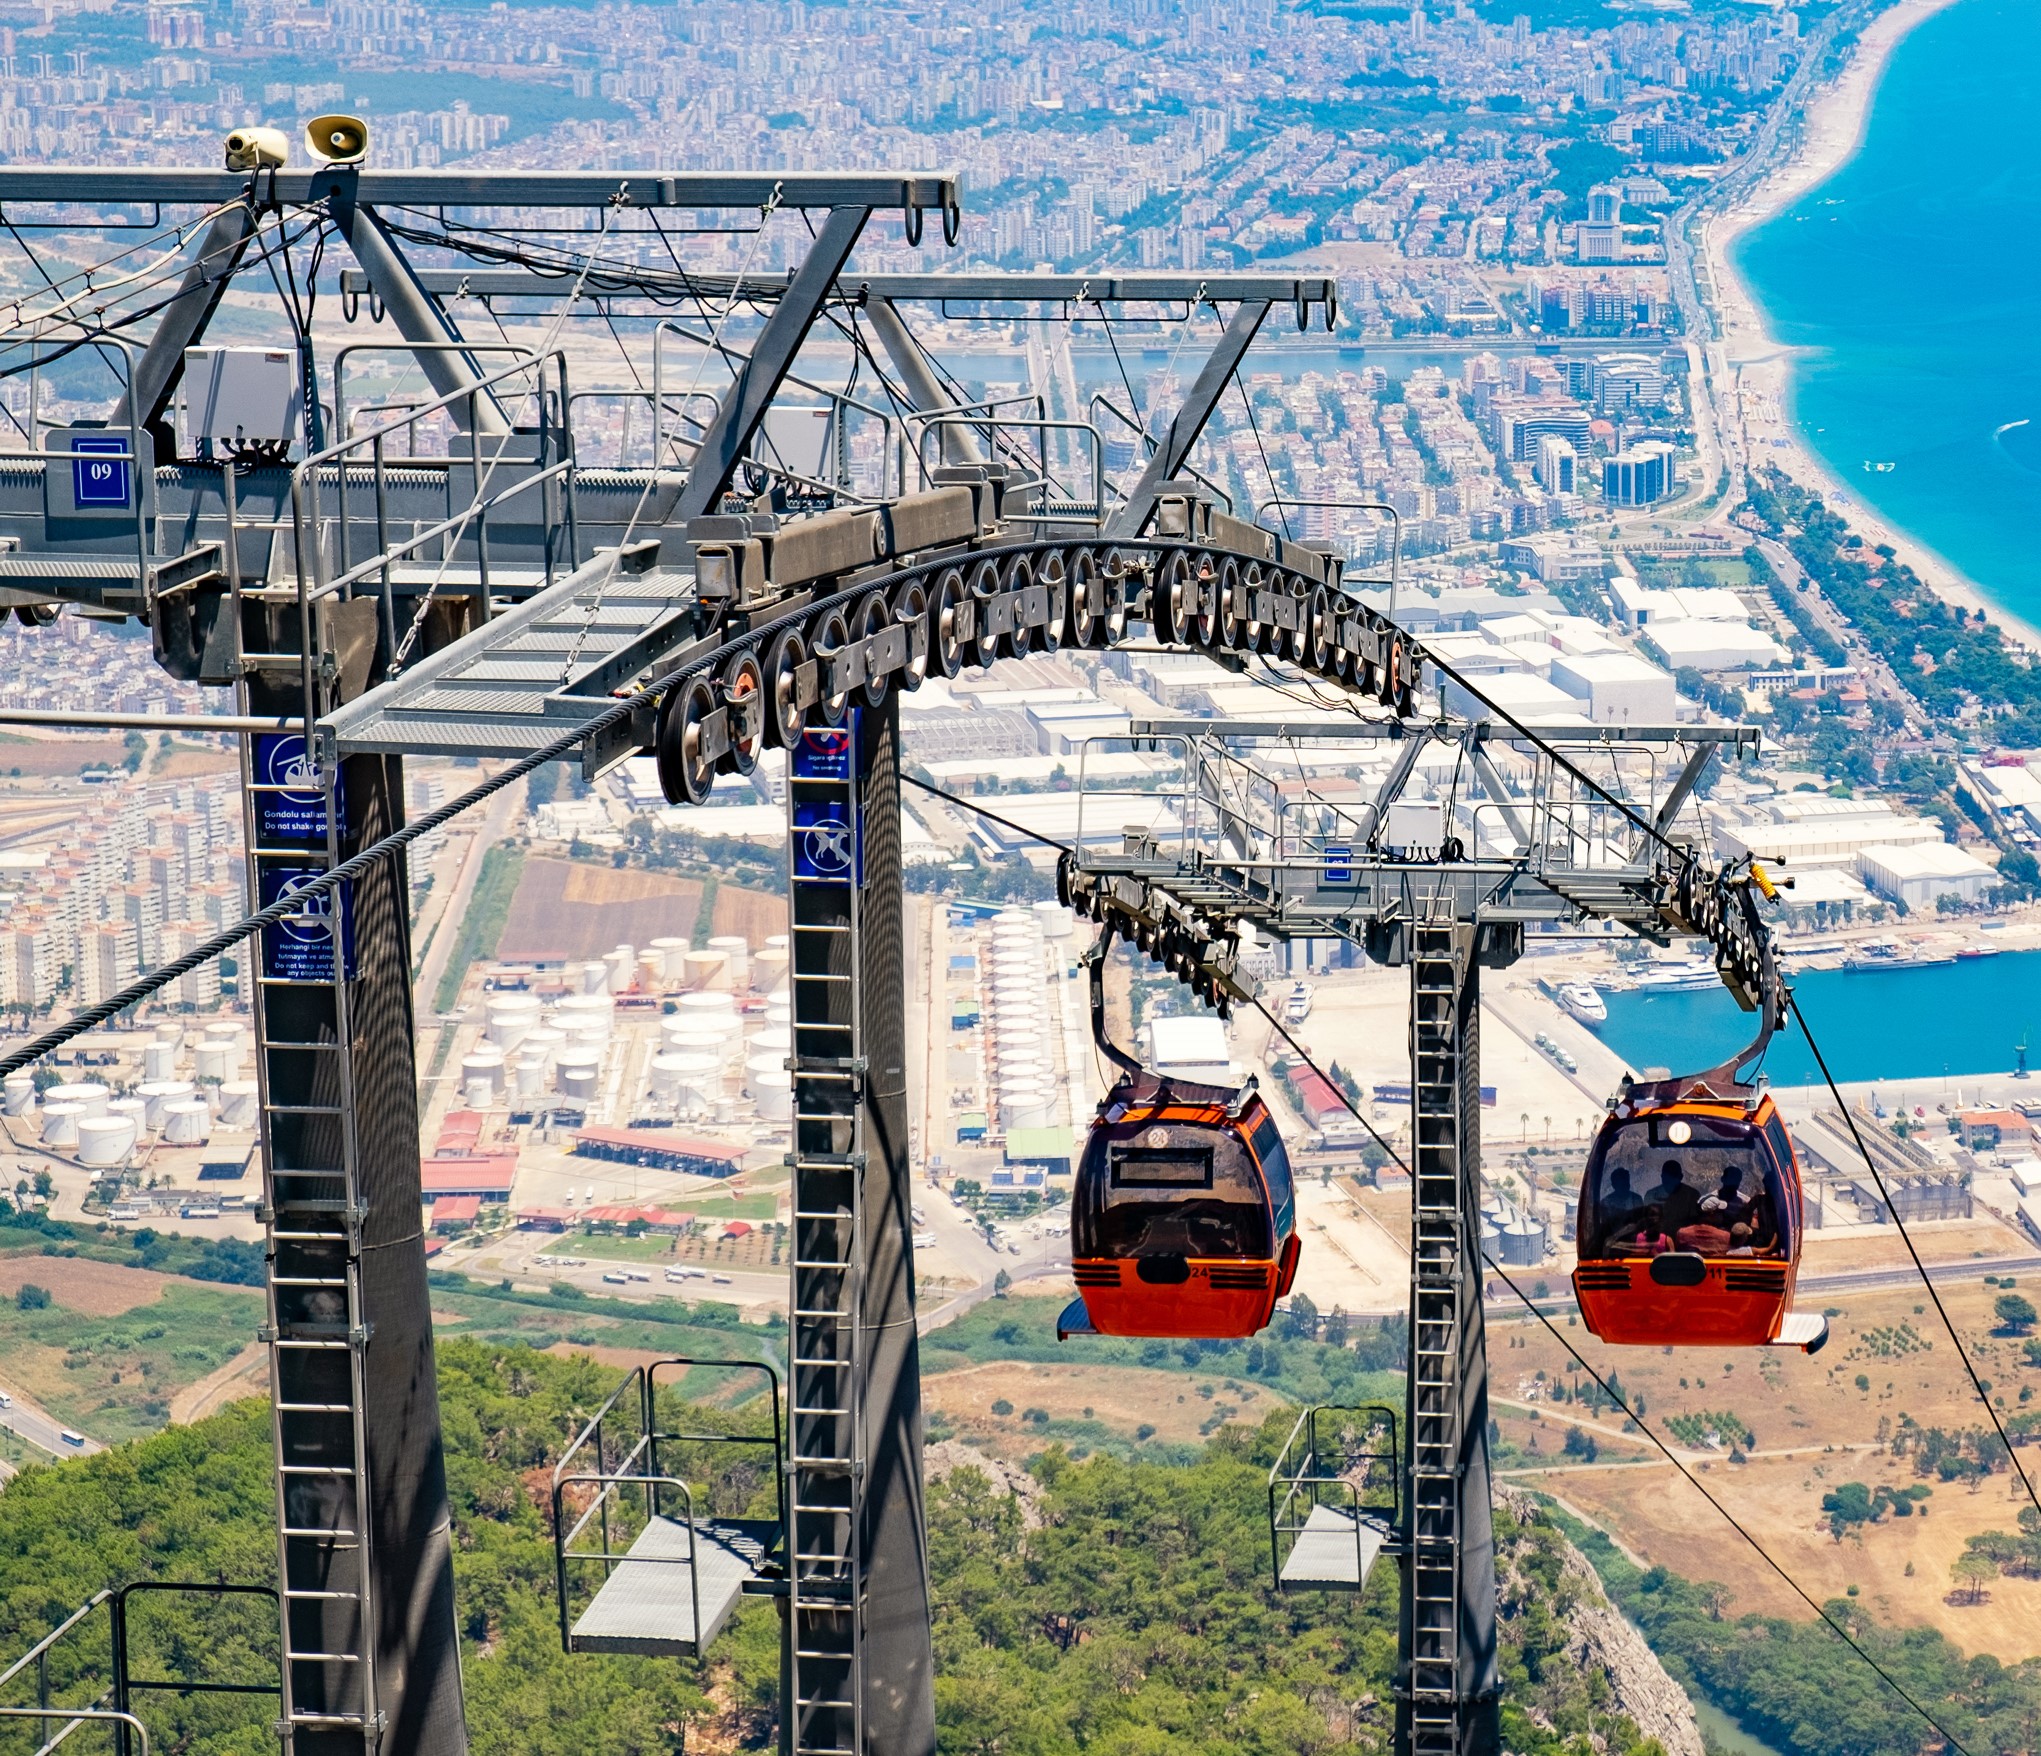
(32, 1297)
(2016, 1314)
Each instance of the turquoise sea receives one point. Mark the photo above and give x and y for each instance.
(1913, 277)
(1960, 1018)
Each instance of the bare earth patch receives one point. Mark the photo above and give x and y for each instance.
(246, 1374)
(95, 1289)
(1123, 1398)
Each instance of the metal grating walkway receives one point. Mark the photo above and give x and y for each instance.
(647, 1605)
(519, 681)
(1335, 1551)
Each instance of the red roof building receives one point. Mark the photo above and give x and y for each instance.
(455, 1212)
(485, 1174)
(738, 1228)
(545, 1219)
(656, 1219)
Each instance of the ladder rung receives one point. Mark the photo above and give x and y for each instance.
(315, 1469)
(295, 1531)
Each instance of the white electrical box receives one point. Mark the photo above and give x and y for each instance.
(1415, 826)
(240, 399)
(800, 439)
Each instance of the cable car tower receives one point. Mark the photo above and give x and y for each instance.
(371, 592)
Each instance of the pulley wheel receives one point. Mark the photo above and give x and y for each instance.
(832, 635)
(1054, 578)
(744, 703)
(1086, 618)
(686, 776)
(945, 644)
(874, 615)
(910, 611)
(984, 585)
(783, 660)
(1020, 574)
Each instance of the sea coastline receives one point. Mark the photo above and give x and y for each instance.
(1752, 367)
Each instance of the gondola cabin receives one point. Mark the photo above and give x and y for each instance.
(1689, 1225)
(1183, 1221)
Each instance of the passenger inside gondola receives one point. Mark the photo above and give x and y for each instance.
(1711, 1196)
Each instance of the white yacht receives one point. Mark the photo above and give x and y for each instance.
(1297, 1006)
(1584, 1003)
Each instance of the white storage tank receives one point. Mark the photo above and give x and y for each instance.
(159, 1061)
(590, 978)
(544, 1042)
(577, 1071)
(758, 1071)
(212, 1063)
(707, 1003)
(17, 1094)
(511, 1018)
(90, 1098)
(622, 964)
(779, 1015)
(769, 967)
(133, 1109)
(528, 1074)
(60, 1125)
(237, 1103)
(156, 1093)
(186, 1122)
(735, 951)
(708, 972)
(485, 1066)
(224, 1031)
(672, 954)
(774, 1094)
(1057, 922)
(585, 1013)
(105, 1140)
(167, 1030)
(478, 1094)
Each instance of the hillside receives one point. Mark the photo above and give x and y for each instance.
(1110, 1606)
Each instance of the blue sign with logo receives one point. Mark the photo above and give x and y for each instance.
(1339, 865)
(296, 809)
(301, 949)
(828, 831)
(823, 754)
(104, 479)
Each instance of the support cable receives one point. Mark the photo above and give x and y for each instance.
(1906, 1237)
(1254, 427)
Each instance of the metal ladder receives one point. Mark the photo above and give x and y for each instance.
(825, 1427)
(1438, 974)
(312, 1211)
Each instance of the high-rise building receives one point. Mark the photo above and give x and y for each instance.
(1641, 476)
(1557, 468)
(1599, 237)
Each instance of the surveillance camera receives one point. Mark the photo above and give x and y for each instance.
(257, 149)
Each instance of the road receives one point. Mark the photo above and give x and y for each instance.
(495, 820)
(26, 1421)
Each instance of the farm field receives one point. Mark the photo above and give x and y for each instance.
(1808, 1425)
(578, 909)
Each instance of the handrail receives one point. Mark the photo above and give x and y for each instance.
(413, 348)
(778, 1440)
(1099, 399)
(78, 1716)
(312, 584)
(1311, 1478)
(651, 1483)
(1042, 426)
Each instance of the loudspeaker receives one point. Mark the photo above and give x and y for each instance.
(338, 140)
(257, 149)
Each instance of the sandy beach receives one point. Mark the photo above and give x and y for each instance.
(1750, 367)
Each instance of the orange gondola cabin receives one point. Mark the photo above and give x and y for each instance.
(1183, 1220)
(1689, 1225)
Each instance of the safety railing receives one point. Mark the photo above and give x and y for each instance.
(637, 1464)
(1284, 503)
(1102, 403)
(539, 460)
(112, 1683)
(1345, 1458)
(1068, 510)
(344, 417)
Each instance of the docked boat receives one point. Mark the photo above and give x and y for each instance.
(1677, 978)
(1297, 1005)
(1581, 1001)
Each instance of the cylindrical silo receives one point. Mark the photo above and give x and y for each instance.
(104, 1140)
(774, 1093)
(89, 1096)
(60, 1125)
(585, 1013)
(485, 1064)
(237, 1103)
(186, 1122)
(511, 1018)
(167, 1030)
(577, 1071)
(544, 1042)
(158, 1092)
(478, 1093)
(159, 1061)
(672, 957)
(769, 968)
(622, 965)
(211, 1063)
(17, 1094)
(735, 951)
(1057, 922)
(707, 1003)
(590, 978)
